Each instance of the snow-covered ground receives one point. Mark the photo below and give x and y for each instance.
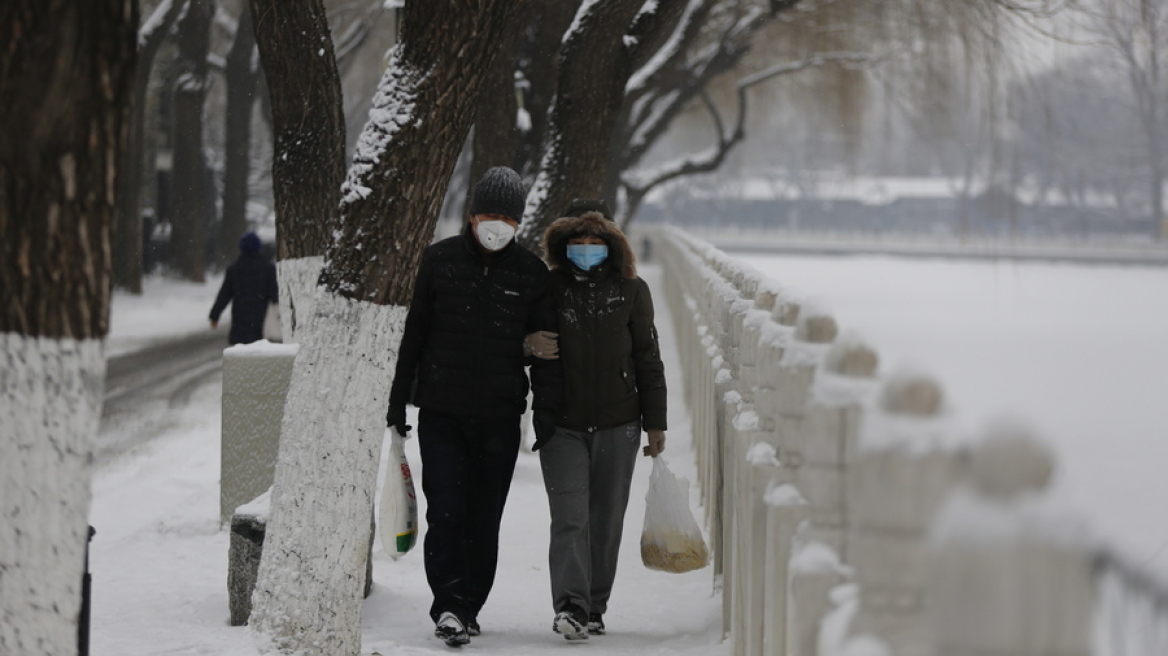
(166, 308)
(1080, 352)
(159, 559)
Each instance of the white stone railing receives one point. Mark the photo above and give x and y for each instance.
(846, 515)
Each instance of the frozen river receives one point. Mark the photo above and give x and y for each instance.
(1078, 351)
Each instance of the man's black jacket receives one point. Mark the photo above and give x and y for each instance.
(462, 350)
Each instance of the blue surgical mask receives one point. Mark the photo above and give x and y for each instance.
(587, 256)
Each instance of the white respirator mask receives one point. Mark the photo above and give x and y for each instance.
(494, 235)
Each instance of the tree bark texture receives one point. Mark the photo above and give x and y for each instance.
(242, 81)
(497, 139)
(540, 62)
(497, 144)
(308, 123)
(188, 182)
(66, 72)
(64, 81)
(590, 90)
(419, 121)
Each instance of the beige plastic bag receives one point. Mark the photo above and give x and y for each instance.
(671, 540)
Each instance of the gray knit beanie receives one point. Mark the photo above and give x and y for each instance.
(501, 191)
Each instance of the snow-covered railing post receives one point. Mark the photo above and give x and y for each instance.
(843, 385)
(1010, 573)
(903, 473)
(839, 516)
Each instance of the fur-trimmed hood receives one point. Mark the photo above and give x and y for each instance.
(620, 253)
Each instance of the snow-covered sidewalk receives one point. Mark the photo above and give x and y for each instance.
(159, 559)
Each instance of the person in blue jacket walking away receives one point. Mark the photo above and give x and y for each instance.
(249, 286)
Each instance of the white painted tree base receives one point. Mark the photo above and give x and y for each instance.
(309, 592)
(297, 279)
(50, 404)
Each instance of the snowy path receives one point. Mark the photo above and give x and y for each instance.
(159, 560)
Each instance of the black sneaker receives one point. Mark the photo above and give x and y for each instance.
(572, 623)
(472, 627)
(451, 630)
(595, 624)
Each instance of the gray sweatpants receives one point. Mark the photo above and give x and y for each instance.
(587, 477)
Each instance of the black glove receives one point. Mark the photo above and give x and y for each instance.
(544, 423)
(396, 418)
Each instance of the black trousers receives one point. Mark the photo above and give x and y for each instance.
(466, 474)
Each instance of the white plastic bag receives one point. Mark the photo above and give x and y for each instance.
(273, 332)
(671, 540)
(399, 506)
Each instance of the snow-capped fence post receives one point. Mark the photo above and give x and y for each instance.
(1010, 574)
(255, 383)
(842, 386)
(900, 478)
(815, 571)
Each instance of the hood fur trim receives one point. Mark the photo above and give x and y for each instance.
(555, 242)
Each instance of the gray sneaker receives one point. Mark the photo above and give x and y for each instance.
(595, 624)
(572, 623)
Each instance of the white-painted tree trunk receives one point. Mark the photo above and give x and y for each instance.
(297, 278)
(310, 586)
(50, 404)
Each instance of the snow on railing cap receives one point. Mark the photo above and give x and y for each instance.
(783, 494)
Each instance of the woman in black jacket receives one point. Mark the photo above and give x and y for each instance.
(614, 388)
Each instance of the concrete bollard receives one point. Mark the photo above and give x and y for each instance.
(255, 382)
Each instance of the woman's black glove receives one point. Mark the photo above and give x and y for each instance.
(544, 422)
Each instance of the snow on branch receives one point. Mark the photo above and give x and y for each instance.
(159, 22)
(669, 54)
(393, 108)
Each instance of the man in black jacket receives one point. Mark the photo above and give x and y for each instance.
(461, 362)
(249, 286)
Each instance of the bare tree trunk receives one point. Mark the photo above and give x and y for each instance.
(589, 93)
(242, 80)
(309, 588)
(308, 159)
(542, 59)
(531, 50)
(127, 235)
(188, 183)
(66, 74)
(497, 143)
(308, 162)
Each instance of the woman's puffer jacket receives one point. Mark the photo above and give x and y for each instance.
(608, 343)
